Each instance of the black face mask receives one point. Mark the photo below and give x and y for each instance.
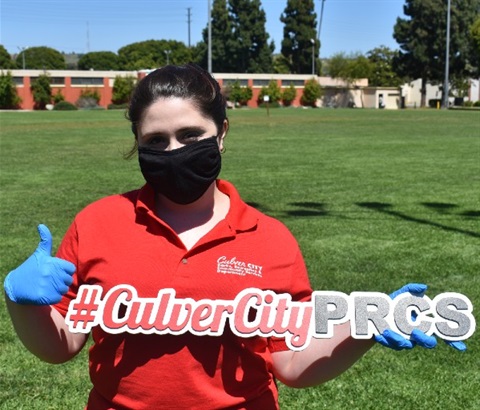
(183, 174)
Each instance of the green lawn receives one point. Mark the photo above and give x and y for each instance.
(375, 198)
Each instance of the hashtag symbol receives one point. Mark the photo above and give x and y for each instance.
(83, 310)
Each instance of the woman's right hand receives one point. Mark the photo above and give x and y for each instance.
(41, 279)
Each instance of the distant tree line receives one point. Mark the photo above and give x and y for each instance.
(241, 44)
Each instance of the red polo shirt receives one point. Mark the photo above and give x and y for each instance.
(119, 240)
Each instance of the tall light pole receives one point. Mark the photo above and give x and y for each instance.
(209, 37)
(189, 15)
(22, 49)
(319, 30)
(312, 40)
(447, 58)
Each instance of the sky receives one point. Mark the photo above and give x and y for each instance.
(80, 26)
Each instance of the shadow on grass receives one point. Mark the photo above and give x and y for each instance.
(307, 209)
(317, 209)
(387, 209)
(440, 207)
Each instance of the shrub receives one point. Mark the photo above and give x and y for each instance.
(64, 106)
(9, 98)
(88, 99)
(58, 97)
(288, 95)
(122, 89)
(117, 106)
(90, 94)
(239, 94)
(273, 91)
(476, 104)
(275, 104)
(311, 93)
(42, 93)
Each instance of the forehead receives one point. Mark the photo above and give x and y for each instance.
(173, 112)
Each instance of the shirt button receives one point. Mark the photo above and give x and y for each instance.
(184, 261)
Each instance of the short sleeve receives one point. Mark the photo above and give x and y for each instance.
(300, 290)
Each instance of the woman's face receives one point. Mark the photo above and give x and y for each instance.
(171, 123)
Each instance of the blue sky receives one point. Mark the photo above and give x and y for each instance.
(80, 26)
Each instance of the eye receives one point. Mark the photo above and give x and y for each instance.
(190, 136)
(156, 141)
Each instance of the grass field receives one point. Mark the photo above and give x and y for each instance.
(375, 198)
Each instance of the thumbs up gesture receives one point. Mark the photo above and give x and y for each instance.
(41, 279)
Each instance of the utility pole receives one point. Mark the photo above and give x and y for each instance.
(210, 36)
(447, 58)
(189, 15)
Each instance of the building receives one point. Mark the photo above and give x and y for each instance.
(411, 92)
(336, 93)
(71, 84)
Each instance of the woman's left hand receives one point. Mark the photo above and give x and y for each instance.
(395, 341)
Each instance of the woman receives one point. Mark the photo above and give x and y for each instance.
(188, 231)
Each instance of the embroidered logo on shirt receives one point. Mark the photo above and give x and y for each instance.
(235, 267)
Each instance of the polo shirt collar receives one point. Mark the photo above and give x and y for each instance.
(240, 217)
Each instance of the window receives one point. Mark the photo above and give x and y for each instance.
(87, 81)
(296, 83)
(57, 80)
(243, 83)
(261, 83)
(18, 80)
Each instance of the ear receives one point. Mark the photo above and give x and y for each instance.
(222, 135)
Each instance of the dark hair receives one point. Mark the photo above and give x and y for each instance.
(189, 81)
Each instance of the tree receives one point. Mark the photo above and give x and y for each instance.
(249, 48)
(222, 37)
(42, 92)
(475, 39)
(41, 58)
(475, 33)
(8, 92)
(99, 60)
(382, 73)
(152, 54)
(423, 50)
(6, 61)
(299, 30)
(122, 89)
(349, 68)
(281, 65)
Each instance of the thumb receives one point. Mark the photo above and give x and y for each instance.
(416, 289)
(45, 244)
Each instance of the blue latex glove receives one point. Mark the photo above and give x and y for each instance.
(393, 340)
(41, 279)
